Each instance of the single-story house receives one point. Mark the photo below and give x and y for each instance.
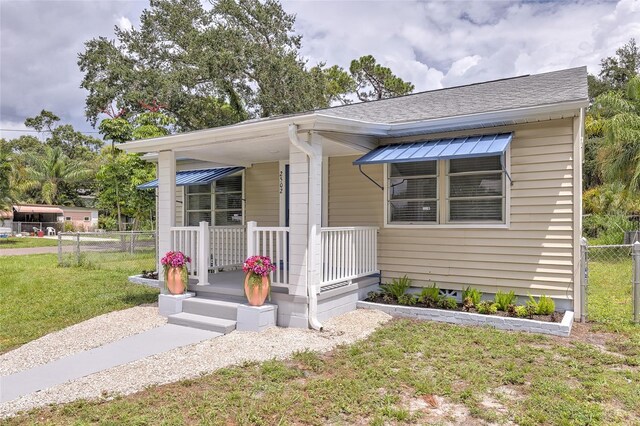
(476, 185)
(25, 217)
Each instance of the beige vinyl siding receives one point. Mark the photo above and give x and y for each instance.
(534, 255)
(180, 206)
(261, 194)
(353, 199)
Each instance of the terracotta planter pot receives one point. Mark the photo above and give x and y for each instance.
(174, 281)
(256, 294)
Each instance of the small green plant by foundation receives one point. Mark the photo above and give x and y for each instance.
(511, 310)
(373, 295)
(430, 295)
(545, 306)
(447, 303)
(487, 308)
(521, 311)
(473, 294)
(407, 300)
(397, 287)
(503, 300)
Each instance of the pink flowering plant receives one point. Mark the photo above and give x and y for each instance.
(257, 267)
(176, 259)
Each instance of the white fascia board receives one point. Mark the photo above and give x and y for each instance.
(471, 120)
(323, 122)
(276, 126)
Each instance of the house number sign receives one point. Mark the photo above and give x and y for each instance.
(281, 181)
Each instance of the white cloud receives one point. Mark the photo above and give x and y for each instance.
(124, 23)
(433, 44)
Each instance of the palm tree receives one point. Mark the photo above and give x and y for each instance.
(6, 198)
(616, 117)
(50, 169)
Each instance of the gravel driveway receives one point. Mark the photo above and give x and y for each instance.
(186, 362)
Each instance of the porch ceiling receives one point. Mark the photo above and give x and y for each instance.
(266, 149)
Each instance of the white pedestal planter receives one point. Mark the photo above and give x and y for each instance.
(256, 318)
(467, 318)
(169, 304)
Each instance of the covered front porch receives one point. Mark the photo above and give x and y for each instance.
(280, 213)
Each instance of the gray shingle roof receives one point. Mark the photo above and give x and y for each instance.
(511, 93)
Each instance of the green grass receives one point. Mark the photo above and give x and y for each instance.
(549, 381)
(592, 378)
(38, 297)
(26, 242)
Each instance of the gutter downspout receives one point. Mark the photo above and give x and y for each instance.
(311, 289)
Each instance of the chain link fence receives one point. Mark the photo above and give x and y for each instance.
(612, 281)
(108, 250)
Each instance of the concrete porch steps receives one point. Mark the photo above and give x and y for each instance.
(202, 322)
(217, 315)
(224, 309)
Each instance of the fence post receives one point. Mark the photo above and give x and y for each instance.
(636, 281)
(251, 238)
(203, 254)
(584, 278)
(59, 249)
(78, 247)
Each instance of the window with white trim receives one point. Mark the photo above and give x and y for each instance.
(219, 203)
(457, 191)
(413, 192)
(475, 190)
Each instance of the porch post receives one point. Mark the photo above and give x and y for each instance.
(166, 202)
(305, 211)
(203, 254)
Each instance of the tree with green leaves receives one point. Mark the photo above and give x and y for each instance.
(6, 196)
(374, 82)
(616, 71)
(50, 172)
(615, 117)
(211, 67)
(120, 173)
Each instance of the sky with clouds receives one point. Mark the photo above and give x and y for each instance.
(432, 44)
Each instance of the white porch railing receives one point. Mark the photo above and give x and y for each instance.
(193, 241)
(348, 253)
(227, 246)
(272, 242)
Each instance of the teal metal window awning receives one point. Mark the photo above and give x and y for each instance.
(196, 177)
(439, 149)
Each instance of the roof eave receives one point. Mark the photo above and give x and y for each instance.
(319, 122)
(313, 121)
(534, 113)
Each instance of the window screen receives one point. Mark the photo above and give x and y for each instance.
(413, 192)
(219, 203)
(475, 190)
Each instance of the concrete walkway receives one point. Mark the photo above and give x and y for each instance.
(27, 250)
(132, 348)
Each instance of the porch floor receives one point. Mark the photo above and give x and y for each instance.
(226, 283)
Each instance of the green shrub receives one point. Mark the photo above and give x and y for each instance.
(447, 303)
(521, 311)
(487, 308)
(473, 294)
(545, 306)
(430, 295)
(606, 229)
(397, 287)
(503, 300)
(407, 300)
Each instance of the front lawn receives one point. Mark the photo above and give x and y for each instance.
(396, 376)
(26, 242)
(38, 297)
